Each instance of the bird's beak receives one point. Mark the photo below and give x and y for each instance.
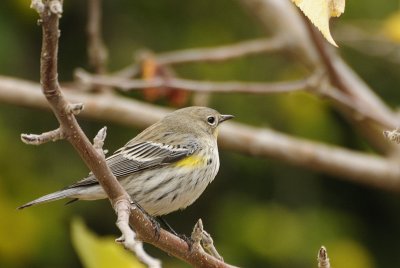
(225, 117)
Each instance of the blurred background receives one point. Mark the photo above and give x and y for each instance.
(260, 212)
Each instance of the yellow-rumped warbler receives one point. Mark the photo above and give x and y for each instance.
(164, 168)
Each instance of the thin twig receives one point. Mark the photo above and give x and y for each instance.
(348, 83)
(97, 51)
(222, 53)
(197, 234)
(122, 208)
(213, 54)
(193, 85)
(361, 112)
(202, 240)
(208, 244)
(34, 139)
(128, 237)
(282, 18)
(98, 141)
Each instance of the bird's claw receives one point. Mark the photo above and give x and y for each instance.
(189, 241)
(154, 222)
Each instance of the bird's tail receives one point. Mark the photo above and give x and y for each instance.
(51, 197)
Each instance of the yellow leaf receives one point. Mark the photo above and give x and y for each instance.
(320, 11)
(96, 252)
(336, 7)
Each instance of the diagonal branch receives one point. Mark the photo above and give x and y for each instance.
(61, 107)
(50, 12)
(282, 18)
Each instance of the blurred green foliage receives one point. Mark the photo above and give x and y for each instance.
(261, 213)
(98, 252)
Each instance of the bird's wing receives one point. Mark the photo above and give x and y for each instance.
(139, 156)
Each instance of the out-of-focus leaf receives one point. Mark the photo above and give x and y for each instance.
(96, 252)
(320, 11)
(391, 27)
(347, 253)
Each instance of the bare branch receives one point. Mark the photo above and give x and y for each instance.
(64, 111)
(206, 240)
(172, 244)
(354, 166)
(94, 158)
(97, 51)
(62, 108)
(222, 53)
(122, 208)
(34, 139)
(360, 112)
(128, 237)
(192, 85)
(202, 240)
(281, 18)
(313, 83)
(214, 54)
(197, 233)
(98, 141)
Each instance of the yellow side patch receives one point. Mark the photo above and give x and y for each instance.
(191, 161)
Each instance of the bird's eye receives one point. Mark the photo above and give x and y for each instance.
(211, 120)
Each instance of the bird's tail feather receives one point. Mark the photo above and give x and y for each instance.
(51, 197)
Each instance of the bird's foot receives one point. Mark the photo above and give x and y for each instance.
(155, 224)
(189, 241)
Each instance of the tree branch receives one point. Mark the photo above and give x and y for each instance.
(193, 85)
(213, 54)
(33, 139)
(354, 166)
(315, 83)
(93, 156)
(282, 18)
(221, 53)
(97, 51)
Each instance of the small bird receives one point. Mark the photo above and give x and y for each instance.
(165, 168)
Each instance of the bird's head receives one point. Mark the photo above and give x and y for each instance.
(200, 118)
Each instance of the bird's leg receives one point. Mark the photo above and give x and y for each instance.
(188, 240)
(166, 224)
(154, 222)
